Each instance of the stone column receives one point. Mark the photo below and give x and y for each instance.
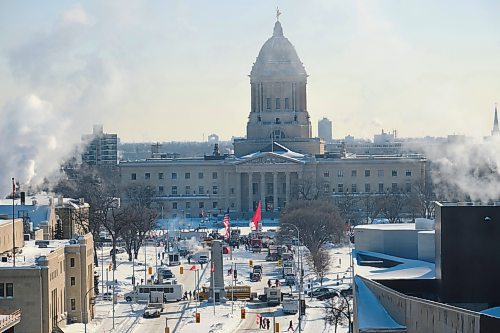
(275, 191)
(238, 191)
(263, 190)
(250, 192)
(287, 187)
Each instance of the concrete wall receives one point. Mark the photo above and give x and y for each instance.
(423, 316)
(6, 235)
(400, 243)
(82, 254)
(426, 246)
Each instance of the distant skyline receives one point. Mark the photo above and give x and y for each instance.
(178, 70)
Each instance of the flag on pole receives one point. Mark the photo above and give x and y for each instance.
(13, 188)
(254, 224)
(227, 223)
(212, 267)
(193, 268)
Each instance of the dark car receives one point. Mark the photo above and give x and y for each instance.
(328, 295)
(255, 277)
(318, 291)
(168, 274)
(117, 251)
(346, 292)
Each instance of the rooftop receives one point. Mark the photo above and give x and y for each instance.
(30, 252)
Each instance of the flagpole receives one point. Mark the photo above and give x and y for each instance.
(13, 224)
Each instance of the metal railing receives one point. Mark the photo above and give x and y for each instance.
(10, 319)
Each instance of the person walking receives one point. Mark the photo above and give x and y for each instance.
(269, 283)
(261, 320)
(268, 323)
(290, 326)
(185, 296)
(190, 294)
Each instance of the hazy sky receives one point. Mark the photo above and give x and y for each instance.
(175, 70)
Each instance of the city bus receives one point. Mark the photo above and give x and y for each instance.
(171, 292)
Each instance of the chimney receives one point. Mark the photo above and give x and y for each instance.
(23, 198)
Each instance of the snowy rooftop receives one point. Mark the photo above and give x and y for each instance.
(371, 314)
(30, 252)
(389, 226)
(403, 268)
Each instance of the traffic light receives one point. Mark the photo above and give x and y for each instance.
(250, 263)
(110, 267)
(302, 307)
(197, 316)
(235, 274)
(150, 270)
(243, 313)
(280, 263)
(181, 270)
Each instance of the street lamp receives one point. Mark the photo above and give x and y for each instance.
(84, 305)
(300, 264)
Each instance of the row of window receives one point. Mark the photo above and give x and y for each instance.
(187, 190)
(277, 103)
(161, 175)
(187, 205)
(354, 188)
(380, 173)
(6, 290)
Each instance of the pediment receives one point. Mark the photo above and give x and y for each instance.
(268, 158)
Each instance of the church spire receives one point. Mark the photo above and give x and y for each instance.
(496, 130)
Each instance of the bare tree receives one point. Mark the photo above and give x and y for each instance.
(318, 221)
(392, 204)
(372, 207)
(320, 262)
(99, 191)
(347, 203)
(308, 190)
(337, 312)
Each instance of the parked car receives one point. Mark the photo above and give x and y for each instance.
(318, 291)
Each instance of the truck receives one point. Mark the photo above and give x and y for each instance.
(290, 305)
(173, 259)
(273, 295)
(155, 305)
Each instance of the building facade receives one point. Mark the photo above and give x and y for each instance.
(325, 130)
(277, 159)
(101, 148)
(50, 284)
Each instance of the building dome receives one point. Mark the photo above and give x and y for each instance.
(277, 57)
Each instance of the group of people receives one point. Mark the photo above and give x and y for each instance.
(265, 323)
(189, 294)
(269, 283)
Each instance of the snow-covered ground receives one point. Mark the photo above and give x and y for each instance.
(180, 316)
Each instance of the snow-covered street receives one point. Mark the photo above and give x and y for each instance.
(225, 317)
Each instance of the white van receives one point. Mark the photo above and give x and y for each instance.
(171, 292)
